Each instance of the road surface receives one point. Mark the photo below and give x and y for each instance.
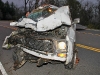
(88, 44)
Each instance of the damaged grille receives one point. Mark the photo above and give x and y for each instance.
(40, 44)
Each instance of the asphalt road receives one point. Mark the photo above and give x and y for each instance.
(89, 60)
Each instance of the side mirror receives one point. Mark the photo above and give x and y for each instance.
(77, 20)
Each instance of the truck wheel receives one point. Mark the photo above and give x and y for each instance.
(75, 58)
(69, 66)
(74, 61)
(19, 58)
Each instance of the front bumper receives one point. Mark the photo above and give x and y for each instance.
(50, 56)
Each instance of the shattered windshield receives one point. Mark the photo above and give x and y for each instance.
(35, 15)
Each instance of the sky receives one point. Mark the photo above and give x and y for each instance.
(16, 2)
(20, 2)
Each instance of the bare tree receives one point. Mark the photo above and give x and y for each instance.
(25, 3)
(31, 5)
(98, 10)
(36, 3)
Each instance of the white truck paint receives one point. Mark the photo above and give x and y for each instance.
(59, 17)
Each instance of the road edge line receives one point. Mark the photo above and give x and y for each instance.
(3, 71)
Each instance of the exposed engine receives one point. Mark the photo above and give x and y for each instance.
(42, 41)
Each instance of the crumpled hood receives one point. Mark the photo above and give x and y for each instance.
(59, 17)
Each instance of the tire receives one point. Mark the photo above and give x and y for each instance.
(72, 64)
(74, 59)
(19, 58)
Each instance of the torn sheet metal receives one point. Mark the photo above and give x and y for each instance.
(56, 19)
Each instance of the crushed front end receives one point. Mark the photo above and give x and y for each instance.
(48, 37)
(49, 45)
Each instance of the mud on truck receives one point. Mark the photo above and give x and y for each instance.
(47, 35)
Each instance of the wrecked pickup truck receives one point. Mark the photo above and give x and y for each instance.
(47, 35)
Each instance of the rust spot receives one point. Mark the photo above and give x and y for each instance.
(77, 60)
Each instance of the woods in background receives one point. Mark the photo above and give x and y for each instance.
(88, 12)
(7, 11)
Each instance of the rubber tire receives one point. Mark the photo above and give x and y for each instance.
(72, 64)
(17, 58)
